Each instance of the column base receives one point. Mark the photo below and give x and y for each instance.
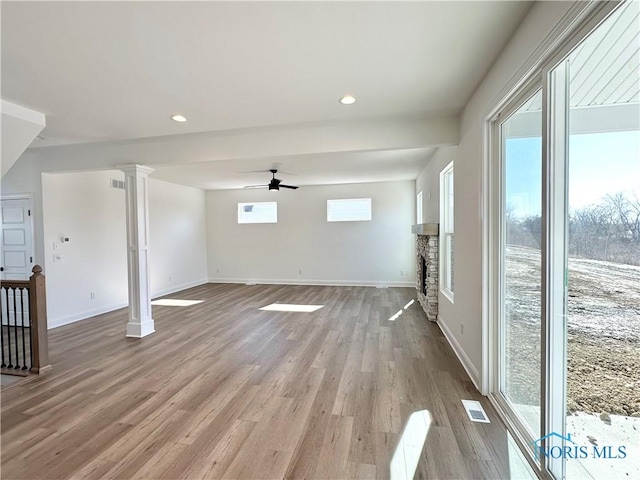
(139, 330)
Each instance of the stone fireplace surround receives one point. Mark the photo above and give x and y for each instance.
(427, 281)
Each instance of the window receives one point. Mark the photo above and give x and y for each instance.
(258, 212)
(446, 231)
(349, 210)
(419, 208)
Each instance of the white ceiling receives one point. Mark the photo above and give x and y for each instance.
(105, 71)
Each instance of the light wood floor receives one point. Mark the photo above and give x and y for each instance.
(224, 390)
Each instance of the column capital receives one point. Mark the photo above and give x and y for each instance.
(142, 170)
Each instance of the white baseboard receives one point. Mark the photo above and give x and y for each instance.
(471, 370)
(76, 317)
(328, 283)
(178, 288)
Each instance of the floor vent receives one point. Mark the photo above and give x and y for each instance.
(250, 283)
(475, 411)
(382, 286)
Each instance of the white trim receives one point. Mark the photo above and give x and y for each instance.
(443, 250)
(178, 288)
(565, 30)
(76, 317)
(327, 283)
(521, 441)
(16, 196)
(466, 362)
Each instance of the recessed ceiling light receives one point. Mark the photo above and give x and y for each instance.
(347, 100)
(178, 118)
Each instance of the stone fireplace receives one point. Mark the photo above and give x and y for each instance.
(427, 267)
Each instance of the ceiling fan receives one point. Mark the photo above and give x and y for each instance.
(274, 184)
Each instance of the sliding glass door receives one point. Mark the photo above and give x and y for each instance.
(598, 128)
(566, 279)
(521, 260)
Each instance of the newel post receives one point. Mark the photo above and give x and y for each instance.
(38, 322)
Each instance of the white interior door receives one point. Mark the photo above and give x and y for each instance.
(16, 260)
(17, 239)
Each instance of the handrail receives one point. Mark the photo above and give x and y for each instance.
(37, 322)
(14, 283)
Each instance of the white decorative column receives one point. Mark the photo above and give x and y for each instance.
(137, 193)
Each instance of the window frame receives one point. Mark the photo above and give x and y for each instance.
(345, 200)
(447, 231)
(241, 205)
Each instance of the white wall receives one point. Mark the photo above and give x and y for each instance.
(468, 180)
(84, 207)
(428, 182)
(362, 253)
(178, 233)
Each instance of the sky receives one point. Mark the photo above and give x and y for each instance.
(599, 164)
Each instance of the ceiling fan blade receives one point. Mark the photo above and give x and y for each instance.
(269, 171)
(256, 186)
(287, 186)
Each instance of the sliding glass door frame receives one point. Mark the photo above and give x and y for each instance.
(515, 422)
(551, 76)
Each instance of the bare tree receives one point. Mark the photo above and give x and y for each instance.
(626, 208)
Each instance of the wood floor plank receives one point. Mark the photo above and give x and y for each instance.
(334, 453)
(225, 390)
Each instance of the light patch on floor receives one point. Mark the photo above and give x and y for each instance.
(407, 455)
(394, 317)
(174, 302)
(291, 307)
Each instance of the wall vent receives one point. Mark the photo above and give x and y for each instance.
(475, 412)
(119, 184)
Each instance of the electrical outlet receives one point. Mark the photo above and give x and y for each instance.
(461, 328)
(57, 257)
(300, 271)
(56, 246)
(169, 277)
(217, 270)
(92, 295)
